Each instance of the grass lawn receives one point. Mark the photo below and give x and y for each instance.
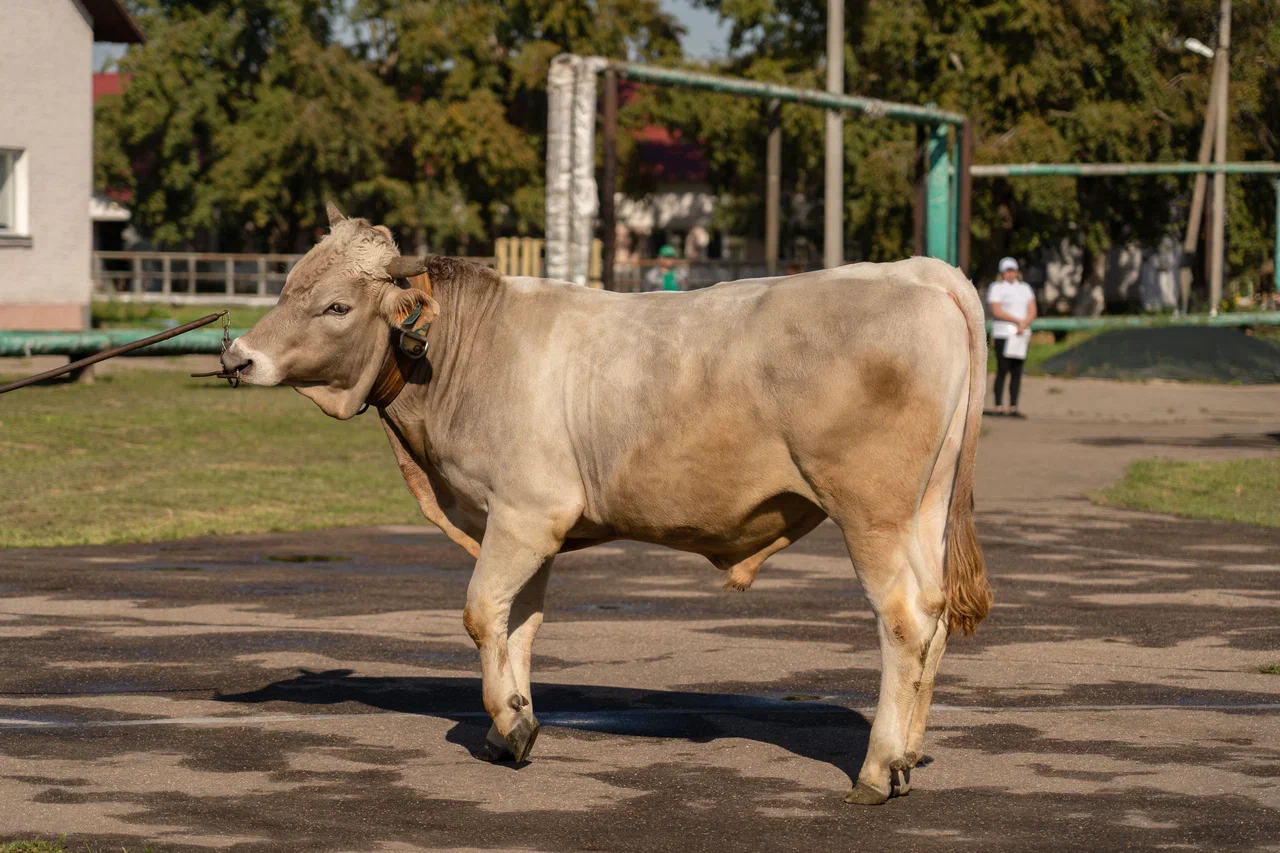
(59, 846)
(144, 455)
(1246, 490)
(127, 315)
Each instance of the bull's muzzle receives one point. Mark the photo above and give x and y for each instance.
(250, 365)
(235, 361)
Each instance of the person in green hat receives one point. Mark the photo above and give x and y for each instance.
(666, 275)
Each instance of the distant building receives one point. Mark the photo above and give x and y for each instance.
(109, 212)
(46, 156)
(680, 204)
(679, 208)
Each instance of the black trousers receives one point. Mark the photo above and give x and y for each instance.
(1007, 367)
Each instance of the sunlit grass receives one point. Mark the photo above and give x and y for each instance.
(145, 455)
(59, 846)
(1246, 490)
(126, 315)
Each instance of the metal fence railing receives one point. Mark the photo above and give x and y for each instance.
(202, 278)
(195, 278)
(190, 277)
(630, 277)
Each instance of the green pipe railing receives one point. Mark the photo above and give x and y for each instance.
(79, 344)
(756, 89)
(1238, 319)
(1015, 170)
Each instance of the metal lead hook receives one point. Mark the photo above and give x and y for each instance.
(233, 378)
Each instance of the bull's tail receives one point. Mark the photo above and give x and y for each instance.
(968, 593)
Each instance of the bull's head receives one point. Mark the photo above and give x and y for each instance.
(329, 334)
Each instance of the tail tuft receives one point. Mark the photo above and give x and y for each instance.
(967, 589)
(968, 592)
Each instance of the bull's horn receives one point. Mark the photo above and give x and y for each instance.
(335, 215)
(405, 267)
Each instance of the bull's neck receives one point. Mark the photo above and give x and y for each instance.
(437, 391)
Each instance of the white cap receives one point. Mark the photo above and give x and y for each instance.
(1007, 264)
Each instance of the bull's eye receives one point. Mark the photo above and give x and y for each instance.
(338, 308)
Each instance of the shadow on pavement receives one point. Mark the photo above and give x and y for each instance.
(1242, 440)
(810, 729)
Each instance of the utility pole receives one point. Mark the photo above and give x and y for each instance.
(833, 201)
(773, 188)
(1192, 235)
(1223, 70)
(609, 183)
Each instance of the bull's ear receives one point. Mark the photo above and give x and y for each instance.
(398, 304)
(335, 215)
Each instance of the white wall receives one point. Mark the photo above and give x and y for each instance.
(46, 108)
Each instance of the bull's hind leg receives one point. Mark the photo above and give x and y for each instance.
(526, 619)
(931, 533)
(924, 698)
(507, 565)
(888, 563)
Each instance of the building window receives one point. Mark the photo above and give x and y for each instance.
(13, 192)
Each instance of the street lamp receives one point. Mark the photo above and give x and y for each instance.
(1195, 46)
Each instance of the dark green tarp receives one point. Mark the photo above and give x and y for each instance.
(1187, 353)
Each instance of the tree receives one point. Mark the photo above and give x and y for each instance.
(1043, 81)
(239, 118)
(243, 116)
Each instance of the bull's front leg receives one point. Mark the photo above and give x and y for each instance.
(522, 627)
(513, 554)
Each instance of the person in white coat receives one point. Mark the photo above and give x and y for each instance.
(1013, 308)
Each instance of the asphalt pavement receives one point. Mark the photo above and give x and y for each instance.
(316, 691)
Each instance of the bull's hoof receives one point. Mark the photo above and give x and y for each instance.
(494, 748)
(900, 782)
(864, 794)
(521, 737)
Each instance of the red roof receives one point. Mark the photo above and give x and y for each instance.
(664, 153)
(108, 83)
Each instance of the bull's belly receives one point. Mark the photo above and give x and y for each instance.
(713, 529)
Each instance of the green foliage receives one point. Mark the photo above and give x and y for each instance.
(242, 116)
(1042, 81)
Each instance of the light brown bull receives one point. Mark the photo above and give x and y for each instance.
(728, 422)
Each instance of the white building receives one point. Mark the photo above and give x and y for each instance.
(46, 156)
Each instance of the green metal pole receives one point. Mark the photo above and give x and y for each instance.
(755, 89)
(1013, 170)
(938, 196)
(1275, 258)
(953, 208)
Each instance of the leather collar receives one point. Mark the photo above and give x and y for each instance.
(397, 367)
